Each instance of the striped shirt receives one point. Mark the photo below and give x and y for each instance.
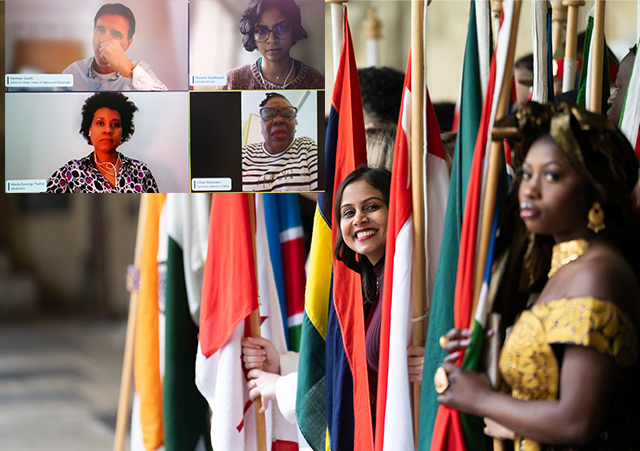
(294, 169)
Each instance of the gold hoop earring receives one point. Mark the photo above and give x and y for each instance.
(596, 218)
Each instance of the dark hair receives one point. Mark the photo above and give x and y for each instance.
(634, 49)
(380, 179)
(525, 62)
(251, 16)
(381, 91)
(117, 9)
(271, 95)
(570, 96)
(445, 113)
(602, 156)
(114, 101)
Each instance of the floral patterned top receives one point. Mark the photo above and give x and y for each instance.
(528, 363)
(82, 176)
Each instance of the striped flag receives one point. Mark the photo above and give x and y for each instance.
(286, 249)
(229, 295)
(394, 429)
(453, 430)
(441, 316)
(630, 117)
(393, 407)
(182, 253)
(281, 434)
(332, 356)
(147, 353)
(235, 278)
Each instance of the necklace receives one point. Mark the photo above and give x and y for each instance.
(109, 168)
(284, 83)
(566, 252)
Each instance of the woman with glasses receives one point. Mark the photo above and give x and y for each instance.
(273, 27)
(282, 162)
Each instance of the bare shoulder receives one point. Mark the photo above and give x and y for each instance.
(605, 274)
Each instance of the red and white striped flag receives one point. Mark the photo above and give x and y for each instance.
(393, 430)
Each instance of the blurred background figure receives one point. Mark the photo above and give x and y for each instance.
(523, 75)
(381, 90)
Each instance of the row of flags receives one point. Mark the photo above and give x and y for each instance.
(209, 262)
(199, 284)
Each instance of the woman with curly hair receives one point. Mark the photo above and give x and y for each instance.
(107, 122)
(571, 240)
(273, 27)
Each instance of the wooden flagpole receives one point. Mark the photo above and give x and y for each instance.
(127, 364)
(558, 24)
(337, 31)
(570, 62)
(417, 181)
(494, 356)
(495, 160)
(598, 57)
(254, 321)
(372, 27)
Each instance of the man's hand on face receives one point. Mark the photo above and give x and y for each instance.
(113, 53)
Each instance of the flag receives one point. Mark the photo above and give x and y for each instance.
(236, 276)
(183, 253)
(286, 250)
(451, 429)
(441, 315)
(393, 408)
(281, 435)
(332, 355)
(148, 379)
(630, 117)
(584, 93)
(229, 295)
(542, 52)
(394, 428)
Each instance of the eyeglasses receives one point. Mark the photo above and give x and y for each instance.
(261, 34)
(287, 113)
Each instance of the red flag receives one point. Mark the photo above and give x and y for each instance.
(225, 305)
(450, 429)
(346, 150)
(393, 407)
(393, 398)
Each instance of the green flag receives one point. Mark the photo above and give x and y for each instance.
(441, 316)
(185, 411)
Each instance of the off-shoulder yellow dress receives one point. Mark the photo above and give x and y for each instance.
(528, 363)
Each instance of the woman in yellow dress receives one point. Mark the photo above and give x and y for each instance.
(571, 358)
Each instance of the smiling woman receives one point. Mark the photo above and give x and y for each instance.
(107, 122)
(361, 208)
(273, 27)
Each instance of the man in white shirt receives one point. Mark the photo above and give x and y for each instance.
(109, 69)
